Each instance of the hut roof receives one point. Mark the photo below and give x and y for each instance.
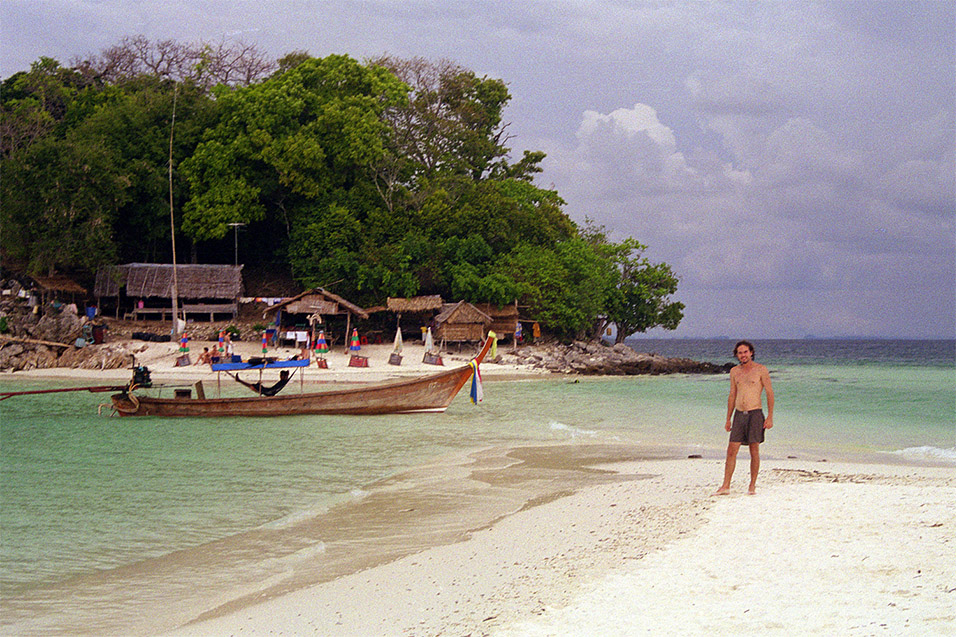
(59, 283)
(156, 280)
(462, 312)
(415, 303)
(324, 295)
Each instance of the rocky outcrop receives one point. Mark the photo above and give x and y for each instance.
(20, 356)
(595, 359)
(31, 338)
(58, 326)
(106, 356)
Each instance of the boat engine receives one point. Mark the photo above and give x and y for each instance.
(141, 377)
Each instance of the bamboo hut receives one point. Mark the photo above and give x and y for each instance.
(308, 308)
(424, 308)
(145, 290)
(54, 286)
(504, 319)
(462, 321)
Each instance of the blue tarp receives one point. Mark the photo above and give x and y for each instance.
(236, 367)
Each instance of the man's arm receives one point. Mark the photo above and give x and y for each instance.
(732, 398)
(768, 387)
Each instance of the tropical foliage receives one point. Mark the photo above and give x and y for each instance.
(385, 178)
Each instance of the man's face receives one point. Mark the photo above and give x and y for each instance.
(744, 355)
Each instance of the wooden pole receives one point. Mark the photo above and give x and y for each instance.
(172, 219)
(348, 330)
(33, 341)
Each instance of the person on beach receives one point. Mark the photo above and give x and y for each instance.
(205, 358)
(745, 418)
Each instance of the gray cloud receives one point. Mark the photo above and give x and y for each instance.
(794, 161)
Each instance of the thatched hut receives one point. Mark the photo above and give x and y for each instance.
(57, 285)
(305, 312)
(146, 289)
(504, 319)
(462, 321)
(422, 308)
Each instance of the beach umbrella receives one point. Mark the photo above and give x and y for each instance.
(398, 341)
(222, 347)
(429, 341)
(265, 342)
(321, 347)
(184, 343)
(355, 346)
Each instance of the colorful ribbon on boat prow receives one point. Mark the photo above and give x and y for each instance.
(477, 394)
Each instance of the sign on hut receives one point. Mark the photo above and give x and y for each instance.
(145, 290)
(462, 321)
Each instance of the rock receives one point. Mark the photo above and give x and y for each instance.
(10, 356)
(593, 358)
(60, 327)
(107, 356)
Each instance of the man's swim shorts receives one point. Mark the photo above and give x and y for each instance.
(747, 427)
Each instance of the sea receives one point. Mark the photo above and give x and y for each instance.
(138, 525)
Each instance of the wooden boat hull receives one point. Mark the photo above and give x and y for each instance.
(433, 392)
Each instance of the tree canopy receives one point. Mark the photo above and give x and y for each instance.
(390, 177)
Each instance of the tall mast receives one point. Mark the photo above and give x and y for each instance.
(172, 219)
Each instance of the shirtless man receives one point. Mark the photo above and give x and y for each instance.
(263, 390)
(205, 358)
(747, 381)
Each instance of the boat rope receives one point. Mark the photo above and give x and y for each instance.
(132, 399)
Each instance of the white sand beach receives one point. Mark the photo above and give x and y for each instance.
(823, 549)
(161, 360)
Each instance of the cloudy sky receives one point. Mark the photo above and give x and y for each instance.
(793, 161)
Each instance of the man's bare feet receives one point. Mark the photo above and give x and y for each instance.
(752, 491)
(722, 491)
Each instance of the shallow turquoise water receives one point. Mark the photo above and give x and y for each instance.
(81, 493)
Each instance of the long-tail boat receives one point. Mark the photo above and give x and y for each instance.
(429, 393)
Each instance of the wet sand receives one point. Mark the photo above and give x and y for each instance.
(647, 550)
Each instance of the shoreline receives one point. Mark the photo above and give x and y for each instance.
(161, 360)
(558, 566)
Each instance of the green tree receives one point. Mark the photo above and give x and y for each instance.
(290, 151)
(640, 296)
(36, 103)
(134, 124)
(60, 197)
(564, 287)
(447, 133)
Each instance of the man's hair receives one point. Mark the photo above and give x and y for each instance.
(753, 352)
